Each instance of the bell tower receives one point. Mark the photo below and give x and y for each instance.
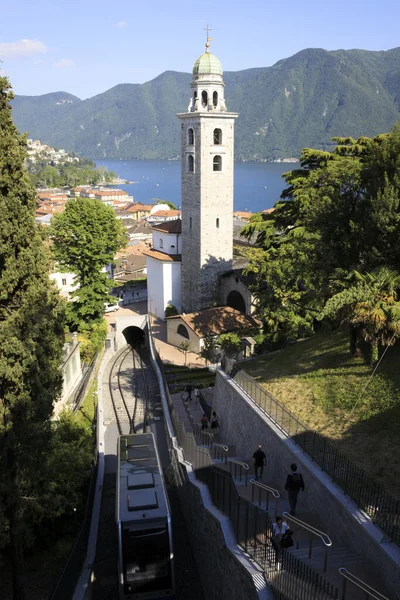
(207, 140)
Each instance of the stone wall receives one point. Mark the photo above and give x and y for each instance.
(225, 572)
(245, 426)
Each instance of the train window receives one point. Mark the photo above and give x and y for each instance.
(147, 566)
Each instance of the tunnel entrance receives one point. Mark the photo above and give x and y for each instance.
(236, 300)
(134, 336)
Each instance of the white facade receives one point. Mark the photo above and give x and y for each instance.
(167, 242)
(65, 284)
(163, 285)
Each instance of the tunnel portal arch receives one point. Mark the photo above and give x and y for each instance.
(236, 300)
(131, 330)
(134, 336)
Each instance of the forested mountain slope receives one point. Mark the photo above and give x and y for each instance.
(301, 101)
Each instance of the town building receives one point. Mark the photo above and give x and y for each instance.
(194, 327)
(164, 268)
(207, 140)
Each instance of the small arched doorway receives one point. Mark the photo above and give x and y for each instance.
(236, 300)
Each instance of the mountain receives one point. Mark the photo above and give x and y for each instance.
(301, 101)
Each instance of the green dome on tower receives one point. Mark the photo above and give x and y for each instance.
(207, 64)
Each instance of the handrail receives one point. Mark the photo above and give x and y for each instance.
(222, 454)
(326, 540)
(323, 536)
(242, 465)
(268, 489)
(360, 584)
(239, 462)
(274, 492)
(223, 446)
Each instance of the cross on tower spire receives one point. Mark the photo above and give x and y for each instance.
(209, 39)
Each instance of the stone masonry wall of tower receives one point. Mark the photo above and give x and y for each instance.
(207, 142)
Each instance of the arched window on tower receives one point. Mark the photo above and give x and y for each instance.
(217, 163)
(217, 223)
(183, 331)
(204, 99)
(190, 136)
(190, 163)
(217, 136)
(215, 99)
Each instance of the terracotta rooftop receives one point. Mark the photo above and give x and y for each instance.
(167, 213)
(162, 256)
(137, 207)
(169, 226)
(220, 319)
(242, 214)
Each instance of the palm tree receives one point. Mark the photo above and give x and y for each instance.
(369, 305)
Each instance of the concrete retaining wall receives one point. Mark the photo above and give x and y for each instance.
(226, 573)
(245, 426)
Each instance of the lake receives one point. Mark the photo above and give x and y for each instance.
(257, 185)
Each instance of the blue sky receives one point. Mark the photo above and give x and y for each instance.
(86, 47)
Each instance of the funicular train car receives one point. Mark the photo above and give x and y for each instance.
(145, 565)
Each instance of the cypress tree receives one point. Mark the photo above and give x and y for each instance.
(31, 339)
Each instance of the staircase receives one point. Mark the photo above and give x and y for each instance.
(321, 560)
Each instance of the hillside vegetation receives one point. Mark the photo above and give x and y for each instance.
(320, 382)
(301, 101)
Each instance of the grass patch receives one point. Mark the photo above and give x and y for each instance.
(178, 377)
(324, 386)
(86, 415)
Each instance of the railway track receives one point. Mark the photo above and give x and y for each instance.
(128, 392)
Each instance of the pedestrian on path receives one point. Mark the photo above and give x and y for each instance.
(259, 459)
(279, 528)
(204, 422)
(189, 389)
(214, 421)
(294, 483)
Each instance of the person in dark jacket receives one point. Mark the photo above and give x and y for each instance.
(294, 483)
(259, 459)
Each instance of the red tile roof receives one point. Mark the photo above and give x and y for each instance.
(162, 256)
(167, 213)
(220, 319)
(169, 226)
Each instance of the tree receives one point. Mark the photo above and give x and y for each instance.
(86, 237)
(171, 310)
(184, 347)
(209, 348)
(167, 202)
(31, 339)
(340, 213)
(230, 343)
(369, 305)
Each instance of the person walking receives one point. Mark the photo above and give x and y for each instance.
(279, 528)
(214, 421)
(204, 422)
(259, 459)
(294, 483)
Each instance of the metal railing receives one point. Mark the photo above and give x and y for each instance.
(324, 537)
(364, 587)
(238, 467)
(369, 495)
(219, 452)
(253, 530)
(269, 491)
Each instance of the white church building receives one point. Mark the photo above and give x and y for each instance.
(163, 263)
